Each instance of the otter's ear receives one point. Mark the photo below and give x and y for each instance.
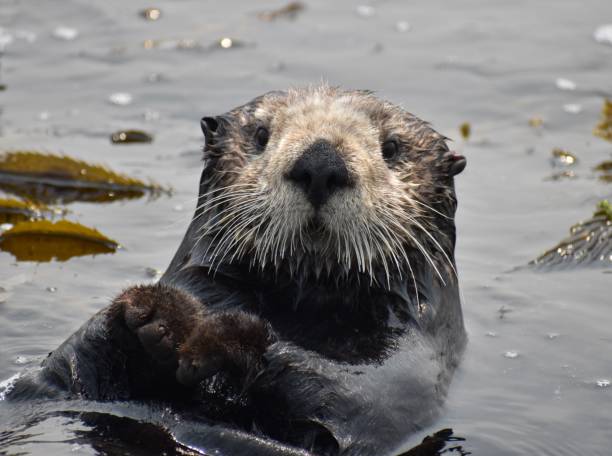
(209, 127)
(457, 163)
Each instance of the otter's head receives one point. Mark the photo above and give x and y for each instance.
(321, 180)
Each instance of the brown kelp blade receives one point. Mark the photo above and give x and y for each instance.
(53, 179)
(42, 241)
(589, 243)
(604, 128)
(605, 170)
(130, 136)
(289, 11)
(15, 211)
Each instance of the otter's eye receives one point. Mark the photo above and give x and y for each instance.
(390, 149)
(262, 135)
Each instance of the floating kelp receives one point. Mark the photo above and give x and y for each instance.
(604, 128)
(604, 209)
(589, 243)
(466, 130)
(130, 137)
(52, 179)
(15, 211)
(289, 11)
(562, 158)
(150, 14)
(536, 122)
(43, 241)
(605, 168)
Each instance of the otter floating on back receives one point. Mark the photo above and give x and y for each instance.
(314, 299)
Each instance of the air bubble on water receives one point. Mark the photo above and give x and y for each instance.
(226, 43)
(51, 289)
(44, 115)
(565, 84)
(22, 360)
(603, 34)
(511, 354)
(155, 77)
(5, 38)
(26, 35)
(572, 108)
(552, 335)
(150, 115)
(278, 66)
(491, 334)
(65, 33)
(120, 98)
(365, 10)
(403, 26)
(178, 208)
(603, 382)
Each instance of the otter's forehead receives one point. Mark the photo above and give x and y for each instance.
(338, 114)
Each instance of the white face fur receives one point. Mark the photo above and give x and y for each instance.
(392, 165)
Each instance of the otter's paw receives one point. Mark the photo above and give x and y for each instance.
(161, 316)
(230, 342)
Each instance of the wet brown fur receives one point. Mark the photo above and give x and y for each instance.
(174, 328)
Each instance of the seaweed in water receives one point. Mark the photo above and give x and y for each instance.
(14, 211)
(289, 11)
(151, 14)
(562, 158)
(53, 179)
(42, 241)
(604, 128)
(466, 130)
(605, 168)
(130, 137)
(589, 243)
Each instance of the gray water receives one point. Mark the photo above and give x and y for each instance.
(491, 63)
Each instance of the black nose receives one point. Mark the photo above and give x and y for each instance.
(319, 172)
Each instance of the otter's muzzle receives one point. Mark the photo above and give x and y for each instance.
(320, 172)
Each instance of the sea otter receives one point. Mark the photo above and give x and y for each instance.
(313, 300)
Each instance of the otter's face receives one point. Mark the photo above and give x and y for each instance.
(327, 180)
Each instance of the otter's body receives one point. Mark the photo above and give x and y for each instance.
(313, 300)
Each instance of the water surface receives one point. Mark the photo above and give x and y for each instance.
(491, 63)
